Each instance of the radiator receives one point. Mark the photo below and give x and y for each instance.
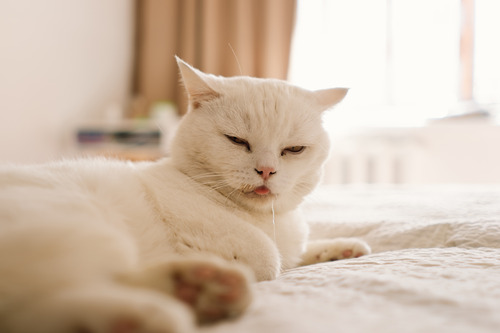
(372, 158)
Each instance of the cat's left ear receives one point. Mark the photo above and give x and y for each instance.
(327, 98)
(196, 83)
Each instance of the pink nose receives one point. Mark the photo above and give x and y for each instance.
(265, 172)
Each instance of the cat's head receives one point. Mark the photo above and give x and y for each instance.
(253, 140)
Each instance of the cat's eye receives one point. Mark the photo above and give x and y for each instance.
(238, 141)
(293, 150)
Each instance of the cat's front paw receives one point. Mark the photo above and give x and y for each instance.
(213, 289)
(334, 249)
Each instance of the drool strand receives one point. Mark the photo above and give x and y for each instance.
(274, 224)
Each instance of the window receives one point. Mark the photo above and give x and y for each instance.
(405, 61)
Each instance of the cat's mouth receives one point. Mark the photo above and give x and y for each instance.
(262, 190)
(258, 192)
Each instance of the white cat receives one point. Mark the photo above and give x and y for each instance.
(92, 246)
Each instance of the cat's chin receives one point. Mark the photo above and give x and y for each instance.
(257, 196)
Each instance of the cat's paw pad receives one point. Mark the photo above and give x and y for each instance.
(334, 249)
(212, 288)
(214, 292)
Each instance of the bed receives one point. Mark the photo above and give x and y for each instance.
(435, 265)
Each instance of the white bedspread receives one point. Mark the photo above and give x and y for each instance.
(435, 267)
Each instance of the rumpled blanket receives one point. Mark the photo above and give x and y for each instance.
(435, 265)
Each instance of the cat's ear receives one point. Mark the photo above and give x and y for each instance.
(327, 98)
(196, 83)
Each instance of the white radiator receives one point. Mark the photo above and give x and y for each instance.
(372, 158)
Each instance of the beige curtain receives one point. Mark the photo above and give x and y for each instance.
(223, 37)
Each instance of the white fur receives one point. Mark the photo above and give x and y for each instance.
(75, 225)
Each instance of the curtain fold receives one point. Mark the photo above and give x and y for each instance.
(222, 37)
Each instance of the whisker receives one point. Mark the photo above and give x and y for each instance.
(206, 175)
(235, 57)
(231, 193)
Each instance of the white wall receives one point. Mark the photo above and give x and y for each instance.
(61, 62)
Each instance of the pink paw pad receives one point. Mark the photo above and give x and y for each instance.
(213, 292)
(347, 253)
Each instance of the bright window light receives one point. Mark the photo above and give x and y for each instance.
(402, 59)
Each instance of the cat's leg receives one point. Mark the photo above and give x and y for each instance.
(334, 249)
(213, 288)
(101, 309)
(59, 277)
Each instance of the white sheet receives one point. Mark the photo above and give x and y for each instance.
(436, 266)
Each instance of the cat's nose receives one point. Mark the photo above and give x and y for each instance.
(265, 172)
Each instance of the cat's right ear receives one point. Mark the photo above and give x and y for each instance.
(197, 87)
